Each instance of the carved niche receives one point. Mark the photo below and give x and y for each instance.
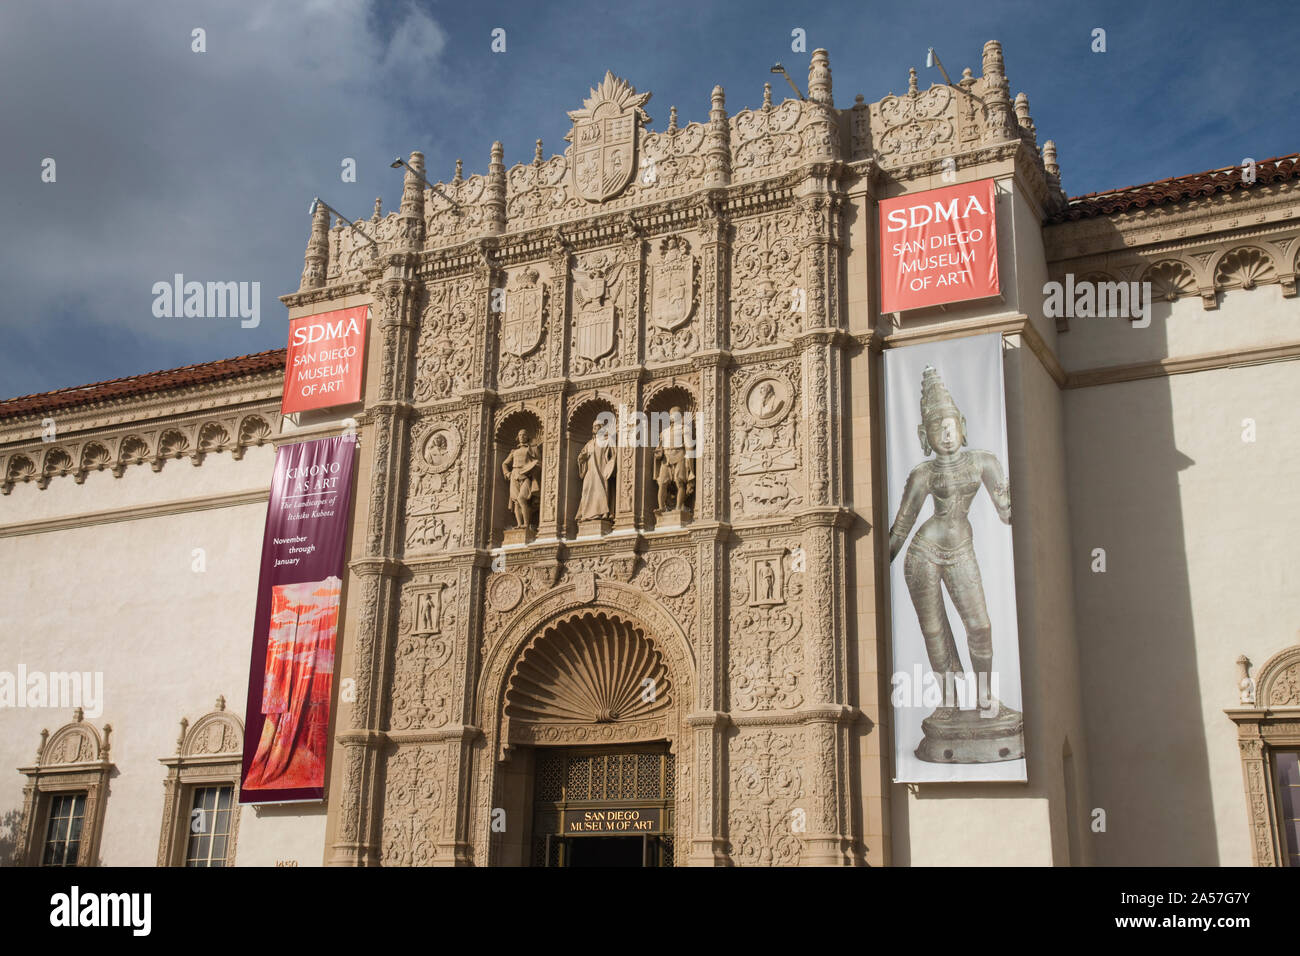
(435, 510)
(769, 297)
(767, 477)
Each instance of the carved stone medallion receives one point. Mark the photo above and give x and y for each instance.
(674, 576)
(441, 448)
(768, 400)
(505, 591)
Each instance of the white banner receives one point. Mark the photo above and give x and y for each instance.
(955, 686)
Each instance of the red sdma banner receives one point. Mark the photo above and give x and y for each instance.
(323, 366)
(291, 677)
(938, 246)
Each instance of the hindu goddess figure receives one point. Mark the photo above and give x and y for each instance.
(942, 550)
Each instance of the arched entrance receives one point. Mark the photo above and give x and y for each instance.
(583, 715)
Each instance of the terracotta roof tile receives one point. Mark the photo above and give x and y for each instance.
(143, 384)
(1177, 189)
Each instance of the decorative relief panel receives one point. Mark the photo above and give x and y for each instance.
(767, 473)
(412, 804)
(423, 691)
(435, 509)
(447, 360)
(769, 296)
(767, 787)
(767, 656)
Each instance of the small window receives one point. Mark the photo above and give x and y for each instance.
(209, 826)
(1286, 771)
(63, 835)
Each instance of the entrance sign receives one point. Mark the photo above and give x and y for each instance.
(625, 820)
(291, 676)
(938, 246)
(323, 365)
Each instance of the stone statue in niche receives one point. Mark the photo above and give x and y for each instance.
(674, 470)
(596, 464)
(521, 468)
(942, 555)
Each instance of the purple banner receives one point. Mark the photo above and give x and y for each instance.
(291, 677)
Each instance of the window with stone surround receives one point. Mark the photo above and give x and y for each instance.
(201, 806)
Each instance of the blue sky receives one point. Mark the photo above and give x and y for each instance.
(205, 163)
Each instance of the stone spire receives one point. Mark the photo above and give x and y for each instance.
(717, 145)
(494, 201)
(819, 78)
(1027, 130)
(1053, 171)
(997, 95)
(412, 209)
(316, 261)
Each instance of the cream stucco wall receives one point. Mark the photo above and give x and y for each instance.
(122, 597)
(1199, 539)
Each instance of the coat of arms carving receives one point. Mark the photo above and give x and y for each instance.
(521, 330)
(593, 296)
(604, 138)
(672, 282)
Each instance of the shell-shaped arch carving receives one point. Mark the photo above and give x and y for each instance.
(668, 385)
(133, 450)
(213, 436)
(173, 443)
(57, 461)
(1279, 680)
(590, 668)
(1244, 268)
(1170, 279)
(95, 455)
(254, 430)
(20, 468)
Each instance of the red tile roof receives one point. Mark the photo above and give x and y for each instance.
(1177, 189)
(143, 384)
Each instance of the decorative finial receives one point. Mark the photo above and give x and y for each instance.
(967, 79)
(859, 100)
(78, 715)
(40, 748)
(180, 741)
(1049, 158)
(1245, 683)
(379, 207)
(460, 168)
(498, 152)
(221, 702)
(537, 154)
(719, 99)
(819, 78)
(104, 747)
(672, 119)
(911, 81)
(767, 96)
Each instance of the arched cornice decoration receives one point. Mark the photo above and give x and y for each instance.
(1268, 719)
(75, 759)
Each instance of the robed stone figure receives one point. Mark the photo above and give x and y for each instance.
(595, 465)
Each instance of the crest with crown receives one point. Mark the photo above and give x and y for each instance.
(604, 138)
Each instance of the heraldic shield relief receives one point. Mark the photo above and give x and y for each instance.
(604, 138)
(522, 328)
(672, 285)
